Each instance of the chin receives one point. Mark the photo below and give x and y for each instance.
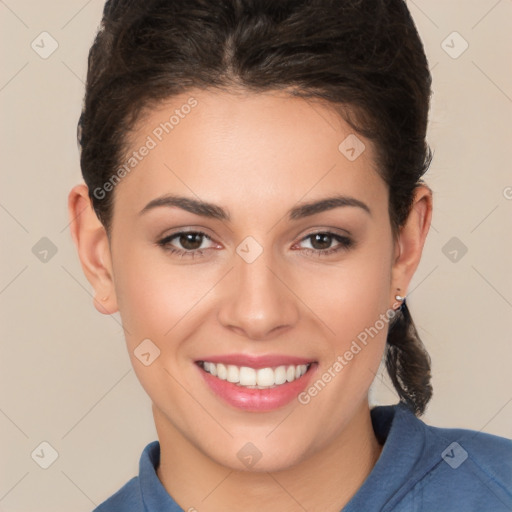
(259, 455)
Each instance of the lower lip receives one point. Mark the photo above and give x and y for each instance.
(258, 400)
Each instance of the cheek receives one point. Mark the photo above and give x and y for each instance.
(355, 303)
(157, 301)
(353, 294)
(155, 295)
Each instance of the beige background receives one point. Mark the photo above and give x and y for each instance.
(65, 376)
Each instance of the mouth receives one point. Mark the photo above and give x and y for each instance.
(252, 378)
(256, 384)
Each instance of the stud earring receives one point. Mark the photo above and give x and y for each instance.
(401, 299)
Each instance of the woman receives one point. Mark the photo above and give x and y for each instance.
(253, 171)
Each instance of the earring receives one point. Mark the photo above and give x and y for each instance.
(401, 299)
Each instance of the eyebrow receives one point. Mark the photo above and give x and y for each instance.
(213, 211)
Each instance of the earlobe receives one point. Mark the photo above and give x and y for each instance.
(91, 241)
(411, 240)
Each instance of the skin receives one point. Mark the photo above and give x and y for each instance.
(257, 156)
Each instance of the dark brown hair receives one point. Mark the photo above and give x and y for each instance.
(363, 57)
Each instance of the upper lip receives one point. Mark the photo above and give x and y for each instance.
(256, 362)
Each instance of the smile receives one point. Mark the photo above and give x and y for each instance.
(256, 383)
(252, 378)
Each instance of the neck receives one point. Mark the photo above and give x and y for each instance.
(322, 482)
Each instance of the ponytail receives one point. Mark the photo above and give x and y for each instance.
(408, 363)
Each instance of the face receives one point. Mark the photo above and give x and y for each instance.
(258, 286)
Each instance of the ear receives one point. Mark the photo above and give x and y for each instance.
(411, 239)
(91, 241)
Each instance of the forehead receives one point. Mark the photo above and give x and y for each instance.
(265, 147)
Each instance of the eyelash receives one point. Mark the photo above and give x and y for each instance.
(345, 243)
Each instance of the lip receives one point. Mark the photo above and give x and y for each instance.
(257, 400)
(257, 362)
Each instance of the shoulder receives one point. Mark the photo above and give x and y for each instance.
(485, 460)
(491, 453)
(460, 468)
(127, 499)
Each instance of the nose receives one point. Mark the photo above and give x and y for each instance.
(258, 301)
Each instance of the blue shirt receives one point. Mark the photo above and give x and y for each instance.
(420, 469)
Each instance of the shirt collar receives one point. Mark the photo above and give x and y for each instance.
(404, 439)
(154, 496)
(396, 427)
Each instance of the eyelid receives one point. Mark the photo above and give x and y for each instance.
(165, 239)
(344, 244)
(329, 229)
(190, 229)
(344, 241)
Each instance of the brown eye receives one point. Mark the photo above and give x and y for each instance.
(190, 241)
(321, 243)
(185, 243)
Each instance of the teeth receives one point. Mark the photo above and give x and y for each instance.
(247, 376)
(262, 378)
(222, 371)
(280, 375)
(233, 374)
